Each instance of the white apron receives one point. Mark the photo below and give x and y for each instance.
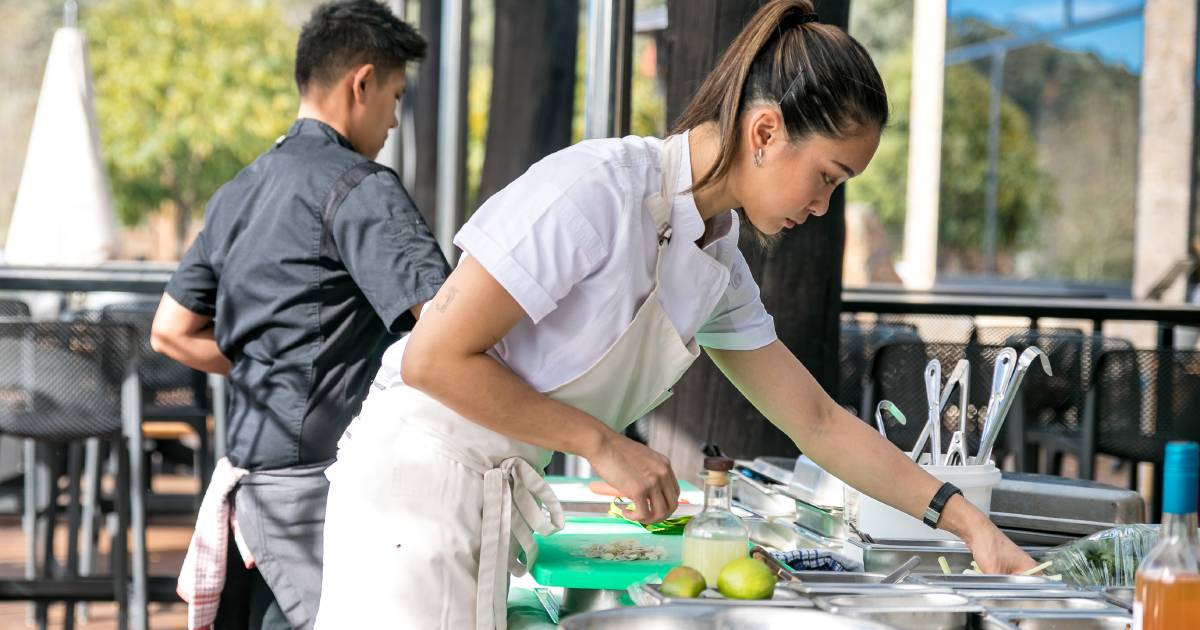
(407, 544)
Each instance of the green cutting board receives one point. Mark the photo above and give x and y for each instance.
(558, 565)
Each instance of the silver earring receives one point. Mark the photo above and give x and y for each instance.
(758, 157)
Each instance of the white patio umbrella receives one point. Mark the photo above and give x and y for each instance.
(63, 213)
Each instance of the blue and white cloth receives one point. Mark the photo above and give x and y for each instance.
(816, 560)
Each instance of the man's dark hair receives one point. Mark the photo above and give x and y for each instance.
(346, 33)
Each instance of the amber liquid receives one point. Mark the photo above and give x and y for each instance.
(1171, 605)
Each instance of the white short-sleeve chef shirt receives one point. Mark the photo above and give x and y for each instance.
(572, 243)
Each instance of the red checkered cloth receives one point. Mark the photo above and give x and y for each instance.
(202, 577)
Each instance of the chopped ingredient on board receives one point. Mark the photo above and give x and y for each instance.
(628, 549)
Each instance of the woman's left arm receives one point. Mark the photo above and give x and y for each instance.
(780, 387)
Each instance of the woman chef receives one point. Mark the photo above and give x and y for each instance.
(586, 288)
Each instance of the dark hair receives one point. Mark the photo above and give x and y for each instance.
(822, 79)
(346, 33)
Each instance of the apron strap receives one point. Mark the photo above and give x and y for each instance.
(659, 205)
(513, 483)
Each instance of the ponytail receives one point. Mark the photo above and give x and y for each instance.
(823, 81)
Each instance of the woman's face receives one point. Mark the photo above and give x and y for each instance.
(796, 180)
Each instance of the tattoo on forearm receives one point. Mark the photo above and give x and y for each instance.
(447, 298)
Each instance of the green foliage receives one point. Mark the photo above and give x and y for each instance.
(187, 93)
(1025, 194)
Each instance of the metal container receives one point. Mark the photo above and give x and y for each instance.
(926, 611)
(1027, 603)
(845, 577)
(835, 583)
(814, 589)
(959, 580)
(1018, 593)
(885, 555)
(1057, 621)
(676, 617)
(763, 488)
(783, 597)
(1120, 595)
(761, 495)
(785, 536)
(577, 600)
(1049, 505)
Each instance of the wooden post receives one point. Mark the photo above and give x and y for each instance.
(424, 191)
(801, 279)
(533, 87)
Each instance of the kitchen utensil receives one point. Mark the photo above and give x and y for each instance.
(927, 430)
(1006, 362)
(902, 571)
(933, 396)
(781, 570)
(992, 429)
(879, 417)
(954, 451)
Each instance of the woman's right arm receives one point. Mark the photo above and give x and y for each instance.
(446, 357)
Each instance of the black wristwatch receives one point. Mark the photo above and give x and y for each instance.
(933, 513)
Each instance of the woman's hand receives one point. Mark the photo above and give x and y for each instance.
(993, 551)
(639, 473)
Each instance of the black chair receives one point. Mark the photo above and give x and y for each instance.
(63, 383)
(1051, 411)
(170, 390)
(12, 307)
(1143, 399)
(857, 347)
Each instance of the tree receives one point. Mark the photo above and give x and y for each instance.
(1025, 193)
(187, 94)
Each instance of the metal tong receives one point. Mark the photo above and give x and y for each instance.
(781, 570)
(891, 408)
(998, 410)
(1006, 363)
(960, 376)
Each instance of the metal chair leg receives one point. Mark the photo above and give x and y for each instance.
(119, 557)
(131, 412)
(48, 499)
(74, 481)
(89, 550)
(29, 511)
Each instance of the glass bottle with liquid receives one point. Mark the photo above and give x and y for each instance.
(715, 536)
(1167, 586)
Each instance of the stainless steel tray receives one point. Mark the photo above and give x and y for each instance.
(1052, 593)
(814, 589)
(1120, 595)
(854, 583)
(958, 580)
(886, 555)
(1045, 503)
(763, 497)
(676, 617)
(774, 500)
(710, 597)
(1056, 621)
(1027, 603)
(926, 611)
